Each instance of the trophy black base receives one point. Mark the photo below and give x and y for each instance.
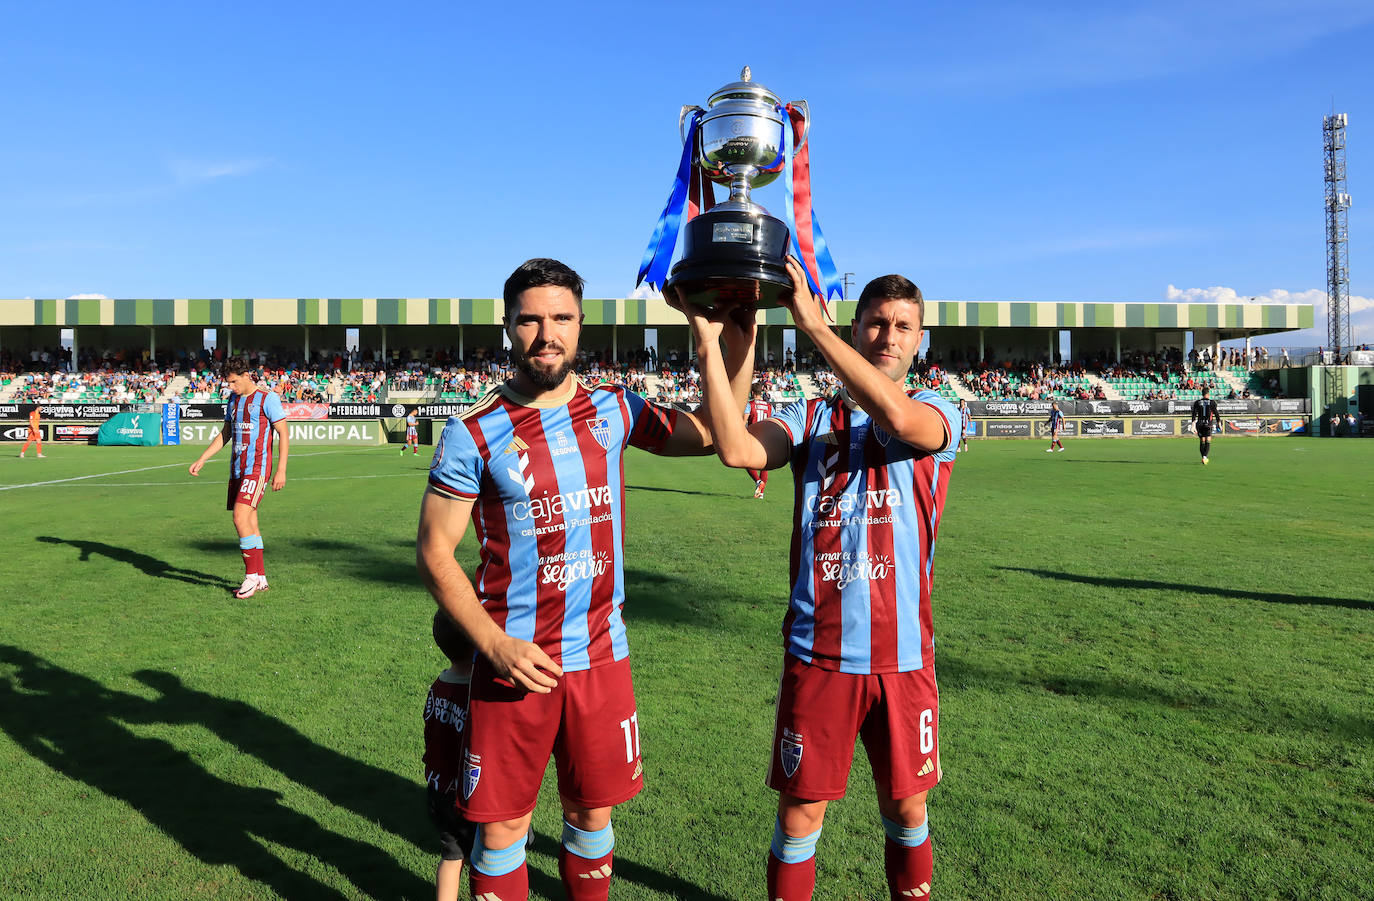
(734, 258)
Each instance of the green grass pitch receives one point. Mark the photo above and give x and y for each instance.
(1157, 679)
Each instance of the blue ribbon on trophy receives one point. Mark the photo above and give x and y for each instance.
(659, 253)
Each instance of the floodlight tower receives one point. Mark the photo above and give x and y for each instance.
(1337, 236)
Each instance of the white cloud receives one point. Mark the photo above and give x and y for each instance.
(182, 175)
(1361, 311)
(644, 292)
(89, 297)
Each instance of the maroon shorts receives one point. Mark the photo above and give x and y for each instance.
(820, 714)
(588, 723)
(246, 489)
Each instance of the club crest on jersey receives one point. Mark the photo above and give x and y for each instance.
(882, 436)
(601, 431)
(472, 773)
(522, 476)
(790, 750)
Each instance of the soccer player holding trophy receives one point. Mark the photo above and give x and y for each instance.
(536, 466)
(872, 466)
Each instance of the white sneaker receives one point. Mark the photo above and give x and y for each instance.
(1049, 450)
(1061, 450)
(252, 584)
(41, 456)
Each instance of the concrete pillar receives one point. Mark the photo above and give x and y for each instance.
(152, 343)
(461, 354)
(1053, 355)
(1118, 345)
(386, 360)
(1247, 353)
(76, 346)
(981, 351)
(615, 344)
(306, 329)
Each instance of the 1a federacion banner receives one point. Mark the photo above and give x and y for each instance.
(1111, 409)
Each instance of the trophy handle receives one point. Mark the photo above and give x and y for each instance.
(682, 119)
(806, 121)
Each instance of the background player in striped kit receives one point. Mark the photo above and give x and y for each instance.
(446, 713)
(537, 467)
(871, 467)
(252, 417)
(412, 434)
(1056, 423)
(757, 411)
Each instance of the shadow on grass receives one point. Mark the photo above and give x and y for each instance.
(1241, 594)
(743, 493)
(146, 564)
(77, 726)
(958, 673)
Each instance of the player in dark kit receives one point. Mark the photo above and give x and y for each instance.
(1056, 422)
(1205, 415)
(871, 467)
(537, 467)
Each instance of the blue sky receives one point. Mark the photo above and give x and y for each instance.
(1064, 152)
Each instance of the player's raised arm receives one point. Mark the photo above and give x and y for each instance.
(889, 335)
(763, 445)
(443, 522)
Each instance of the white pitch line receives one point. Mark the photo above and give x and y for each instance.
(101, 475)
(290, 481)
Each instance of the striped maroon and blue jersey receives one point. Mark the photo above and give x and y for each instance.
(548, 479)
(863, 537)
(249, 418)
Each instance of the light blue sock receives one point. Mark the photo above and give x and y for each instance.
(907, 836)
(497, 863)
(588, 845)
(793, 850)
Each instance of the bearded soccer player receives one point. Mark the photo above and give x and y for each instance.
(871, 466)
(1205, 416)
(757, 411)
(252, 417)
(537, 466)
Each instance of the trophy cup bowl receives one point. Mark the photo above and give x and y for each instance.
(735, 253)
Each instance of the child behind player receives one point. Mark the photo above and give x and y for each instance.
(446, 713)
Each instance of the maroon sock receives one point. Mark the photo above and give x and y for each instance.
(513, 886)
(256, 561)
(247, 554)
(583, 879)
(908, 869)
(791, 881)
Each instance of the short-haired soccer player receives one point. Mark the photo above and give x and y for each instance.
(758, 410)
(446, 713)
(35, 433)
(871, 466)
(1205, 415)
(1056, 424)
(412, 434)
(537, 466)
(252, 417)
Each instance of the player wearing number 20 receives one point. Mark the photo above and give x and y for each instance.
(871, 467)
(537, 467)
(252, 417)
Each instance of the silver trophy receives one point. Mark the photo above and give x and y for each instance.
(735, 254)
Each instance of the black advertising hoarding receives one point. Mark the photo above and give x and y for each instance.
(19, 431)
(1011, 428)
(201, 412)
(1110, 409)
(1156, 427)
(1101, 427)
